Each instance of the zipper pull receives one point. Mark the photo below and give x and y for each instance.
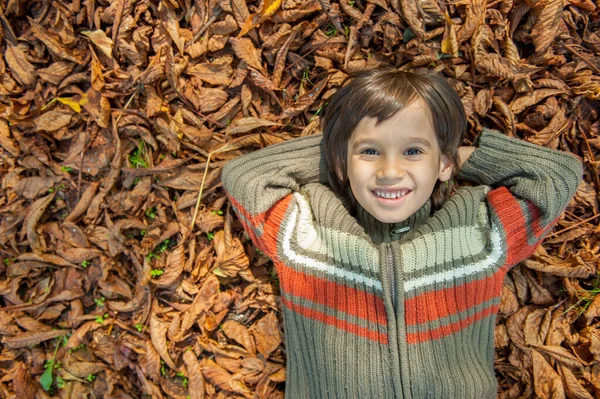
(400, 230)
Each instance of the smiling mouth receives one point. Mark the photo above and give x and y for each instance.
(390, 194)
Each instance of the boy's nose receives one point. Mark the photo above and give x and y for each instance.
(390, 170)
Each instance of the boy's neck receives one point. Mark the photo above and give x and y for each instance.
(387, 232)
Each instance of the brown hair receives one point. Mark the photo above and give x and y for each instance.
(381, 93)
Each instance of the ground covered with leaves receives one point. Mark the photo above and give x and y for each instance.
(124, 274)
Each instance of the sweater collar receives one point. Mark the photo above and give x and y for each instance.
(387, 232)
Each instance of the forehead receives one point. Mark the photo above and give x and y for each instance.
(412, 122)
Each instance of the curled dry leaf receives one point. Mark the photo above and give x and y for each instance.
(37, 209)
(246, 51)
(266, 334)
(240, 334)
(248, 124)
(53, 120)
(173, 268)
(22, 69)
(573, 388)
(158, 331)
(222, 379)
(546, 26)
(194, 373)
(27, 339)
(547, 382)
(231, 257)
(101, 41)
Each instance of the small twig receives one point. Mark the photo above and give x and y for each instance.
(586, 61)
(205, 27)
(572, 215)
(573, 226)
(200, 193)
(307, 54)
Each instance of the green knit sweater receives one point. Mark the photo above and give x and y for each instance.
(375, 310)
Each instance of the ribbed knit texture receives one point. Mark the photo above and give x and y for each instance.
(374, 310)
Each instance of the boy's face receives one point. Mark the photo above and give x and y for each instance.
(393, 167)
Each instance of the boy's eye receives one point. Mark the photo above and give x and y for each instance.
(369, 151)
(413, 152)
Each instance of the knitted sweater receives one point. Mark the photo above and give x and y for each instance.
(406, 310)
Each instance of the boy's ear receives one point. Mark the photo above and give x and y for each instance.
(446, 168)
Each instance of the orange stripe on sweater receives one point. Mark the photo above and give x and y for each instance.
(437, 333)
(508, 209)
(333, 321)
(434, 305)
(269, 221)
(345, 299)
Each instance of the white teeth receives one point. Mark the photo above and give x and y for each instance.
(389, 195)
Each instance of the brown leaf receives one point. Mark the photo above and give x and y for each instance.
(100, 40)
(266, 334)
(36, 210)
(53, 44)
(222, 379)
(520, 104)
(158, 331)
(22, 69)
(449, 42)
(411, 15)
(573, 388)
(7, 141)
(173, 268)
(546, 26)
(246, 51)
(547, 383)
(53, 120)
(231, 257)
(531, 329)
(562, 355)
(97, 106)
(305, 101)
(245, 125)
(24, 340)
(171, 24)
(24, 385)
(278, 376)
(475, 16)
(214, 73)
(31, 187)
(564, 269)
(194, 374)
(281, 57)
(83, 203)
(56, 72)
(240, 334)
(77, 337)
(514, 326)
(240, 11)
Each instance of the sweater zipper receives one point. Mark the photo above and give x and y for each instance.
(391, 276)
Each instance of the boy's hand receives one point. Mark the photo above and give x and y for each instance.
(464, 152)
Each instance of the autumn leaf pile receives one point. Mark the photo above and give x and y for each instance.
(124, 273)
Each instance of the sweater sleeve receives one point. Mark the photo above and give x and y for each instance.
(532, 186)
(259, 184)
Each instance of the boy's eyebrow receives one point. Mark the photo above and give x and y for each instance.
(411, 140)
(360, 142)
(421, 140)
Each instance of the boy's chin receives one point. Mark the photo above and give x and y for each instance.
(390, 220)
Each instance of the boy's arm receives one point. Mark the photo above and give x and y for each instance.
(256, 183)
(532, 187)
